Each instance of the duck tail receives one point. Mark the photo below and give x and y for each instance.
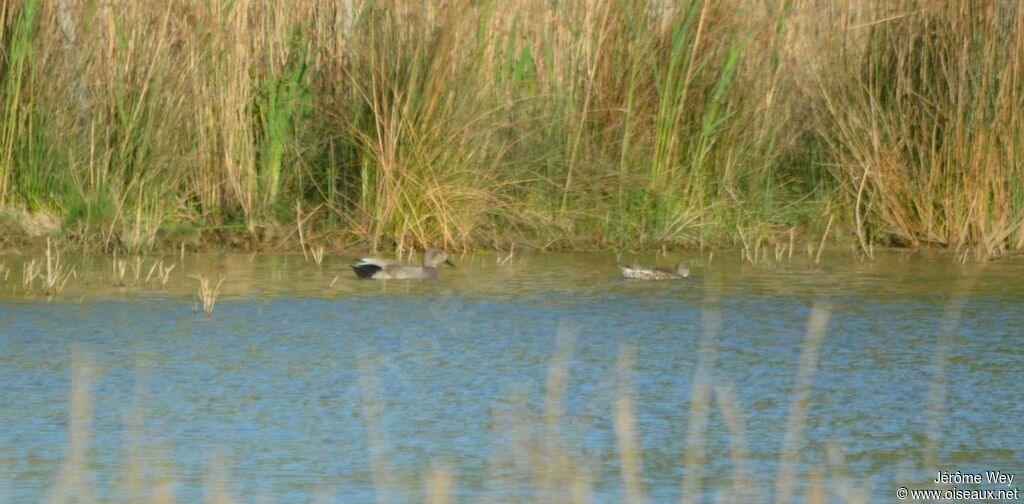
(365, 269)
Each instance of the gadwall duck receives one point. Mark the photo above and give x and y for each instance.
(642, 273)
(390, 269)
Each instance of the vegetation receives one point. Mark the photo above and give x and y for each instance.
(467, 124)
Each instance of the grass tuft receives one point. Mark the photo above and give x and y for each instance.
(207, 295)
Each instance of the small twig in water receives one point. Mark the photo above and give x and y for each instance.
(824, 238)
(318, 255)
(792, 238)
(298, 225)
(29, 272)
(119, 267)
(137, 269)
(508, 258)
(163, 273)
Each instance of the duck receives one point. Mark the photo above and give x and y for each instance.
(642, 273)
(390, 269)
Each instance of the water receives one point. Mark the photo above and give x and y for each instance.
(304, 376)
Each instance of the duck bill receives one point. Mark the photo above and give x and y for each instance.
(449, 262)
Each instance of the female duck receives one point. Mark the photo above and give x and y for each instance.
(641, 273)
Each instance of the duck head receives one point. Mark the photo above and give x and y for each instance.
(436, 257)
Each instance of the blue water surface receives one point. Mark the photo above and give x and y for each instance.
(294, 396)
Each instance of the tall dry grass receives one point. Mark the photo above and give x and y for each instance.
(921, 112)
(460, 124)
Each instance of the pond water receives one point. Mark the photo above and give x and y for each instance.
(308, 384)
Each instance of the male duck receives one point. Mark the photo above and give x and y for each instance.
(389, 269)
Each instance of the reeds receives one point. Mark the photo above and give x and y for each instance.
(52, 271)
(118, 270)
(163, 273)
(19, 26)
(207, 295)
(468, 124)
(30, 270)
(73, 483)
(56, 274)
(786, 477)
(317, 253)
(625, 429)
(921, 108)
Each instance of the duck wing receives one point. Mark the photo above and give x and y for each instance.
(635, 272)
(406, 272)
(642, 273)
